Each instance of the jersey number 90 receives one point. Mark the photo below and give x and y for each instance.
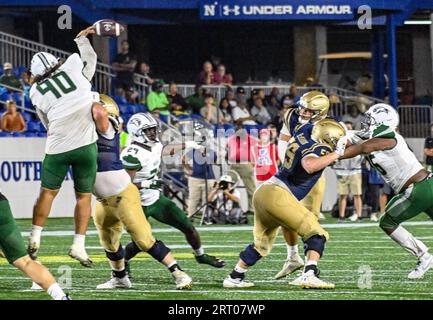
(59, 81)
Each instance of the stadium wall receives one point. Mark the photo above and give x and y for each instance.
(20, 177)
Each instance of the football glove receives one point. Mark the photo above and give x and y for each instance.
(341, 145)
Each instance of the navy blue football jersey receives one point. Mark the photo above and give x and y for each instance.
(292, 173)
(109, 154)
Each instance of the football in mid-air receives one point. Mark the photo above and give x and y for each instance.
(108, 28)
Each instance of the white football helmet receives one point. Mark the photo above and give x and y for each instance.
(42, 62)
(139, 128)
(378, 115)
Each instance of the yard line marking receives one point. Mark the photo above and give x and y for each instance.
(238, 228)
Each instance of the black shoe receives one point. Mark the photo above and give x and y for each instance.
(210, 260)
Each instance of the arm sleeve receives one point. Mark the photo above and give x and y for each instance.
(282, 147)
(88, 56)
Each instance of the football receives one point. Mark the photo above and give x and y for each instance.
(108, 28)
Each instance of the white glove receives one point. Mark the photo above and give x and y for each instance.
(192, 145)
(145, 184)
(341, 145)
(356, 136)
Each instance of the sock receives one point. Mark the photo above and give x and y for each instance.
(79, 239)
(36, 232)
(238, 272)
(405, 239)
(172, 267)
(56, 292)
(311, 265)
(119, 273)
(291, 250)
(199, 252)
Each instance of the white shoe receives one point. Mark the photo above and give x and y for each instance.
(308, 280)
(374, 217)
(423, 265)
(322, 216)
(115, 282)
(33, 248)
(291, 265)
(183, 281)
(229, 282)
(353, 217)
(79, 253)
(36, 287)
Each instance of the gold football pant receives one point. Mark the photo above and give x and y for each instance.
(122, 210)
(275, 207)
(313, 202)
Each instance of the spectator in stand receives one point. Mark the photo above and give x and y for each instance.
(260, 112)
(354, 116)
(124, 64)
(25, 81)
(428, 150)
(349, 177)
(267, 157)
(10, 79)
(144, 70)
(210, 113)
(177, 103)
(225, 79)
(198, 167)
(274, 109)
(290, 99)
(241, 96)
(242, 116)
(240, 156)
(252, 98)
(196, 101)
(12, 120)
(225, 110)
(207, 76)
(275, 94)
(230, 96)
(273, 133)
(157, 101)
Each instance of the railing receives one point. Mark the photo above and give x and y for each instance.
(23, 96)
(415, 120)
(19, 52)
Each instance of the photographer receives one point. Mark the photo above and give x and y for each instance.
(225, 199)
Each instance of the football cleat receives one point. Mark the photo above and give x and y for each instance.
(353, 217)
(67, 297)
(423, 265)
(291, 265)
(33, 248)
(79, 253)
(308, 280)
(374, 217)
(115, 282)
(322, 216)
(183, 281)
(229, 282)
(210, 260)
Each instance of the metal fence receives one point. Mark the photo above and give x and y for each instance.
(415, 120)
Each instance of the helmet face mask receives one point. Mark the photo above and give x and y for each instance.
(380, 115)
(312, 107)
(143, 128)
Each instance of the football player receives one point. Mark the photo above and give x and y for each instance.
(118, 205)
(12, 247)
(142, 160)
(276, 203)
(61, 93)
(312, 107)
(389, 154)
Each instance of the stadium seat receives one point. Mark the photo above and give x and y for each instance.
(4, 96)
(123, 108)
(27, 116)
(119, 99)
(4, 134)
(133, 108)
(31, 134)
(33, 126)
(42, 134)
(41, 127)
(18, 134)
